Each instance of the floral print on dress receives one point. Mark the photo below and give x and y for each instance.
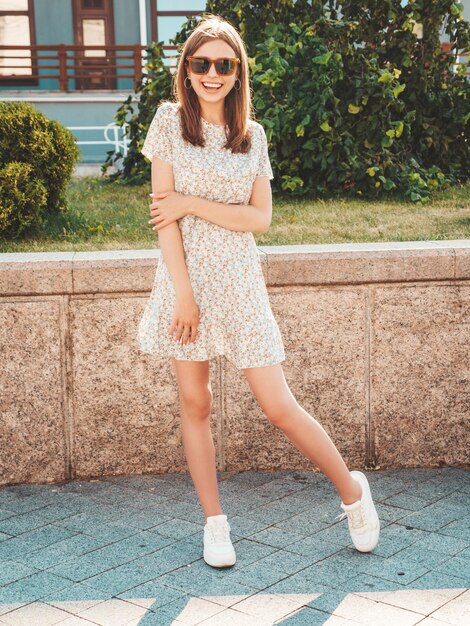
(235, 317)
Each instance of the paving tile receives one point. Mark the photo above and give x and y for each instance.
(276, 537)
(313, 548)
(447, 544)
(80, 568)
(36, 613)
(113, 612)
(388, 513)
(45, 536)
(304, 523)
(408, 501)
(335, 533)
(198, 610)
(118, 581)
(44, 557)
(456, 612)
(430, 621)
(417, 554)
(394, 569)
(298, 583)
(258, 576)
(21, 523)
(75, 597)
(6, 608)
(458, 528)
(456, 566)
(437, 580)
(364, 584)
(94, 527)
(372, 613)
(196, 581)
(231, 617)
(287, 562)
(75, 621)
(129, 548)
(433, 517)
(245, 527)
(270, 606)
(177, 528)
(327, 602)
(309, 617)
(249, 551)
(31, 588)
(162, 594)
(13, 570)
(423, 601)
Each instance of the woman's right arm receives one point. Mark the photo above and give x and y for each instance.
(186, 314)
(169, 237)
(158, 148)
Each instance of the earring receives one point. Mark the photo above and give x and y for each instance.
(186, 84)
(239, 84)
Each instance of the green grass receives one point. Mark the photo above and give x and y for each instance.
(105, 215)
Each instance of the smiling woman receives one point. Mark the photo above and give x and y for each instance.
(210, 175)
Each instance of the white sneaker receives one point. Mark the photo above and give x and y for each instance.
(218, 548)
(363, 521)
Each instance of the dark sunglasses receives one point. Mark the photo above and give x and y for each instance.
(201, 65)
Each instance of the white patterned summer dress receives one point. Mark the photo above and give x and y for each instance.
(235, 317)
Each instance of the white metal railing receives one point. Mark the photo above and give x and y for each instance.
(120, 143)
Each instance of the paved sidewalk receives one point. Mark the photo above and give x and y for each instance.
(128, 550)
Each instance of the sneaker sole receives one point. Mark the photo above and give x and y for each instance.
(221, 562)
(365, 484)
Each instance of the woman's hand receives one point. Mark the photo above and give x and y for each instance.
(168, 207)
(185, 320)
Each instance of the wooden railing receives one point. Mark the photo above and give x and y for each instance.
(87, 67)
(461, 57)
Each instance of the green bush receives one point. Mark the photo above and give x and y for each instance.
(37, 156)
(133, 169)
(352, 101)
(23, 199)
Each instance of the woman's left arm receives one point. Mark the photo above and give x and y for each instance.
(253, 217)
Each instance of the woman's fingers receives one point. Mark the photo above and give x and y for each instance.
(186, 333)
(153, 208)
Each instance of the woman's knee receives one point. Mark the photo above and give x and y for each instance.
(278, 412)
(197, 403)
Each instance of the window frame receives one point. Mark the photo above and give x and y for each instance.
(23, 80)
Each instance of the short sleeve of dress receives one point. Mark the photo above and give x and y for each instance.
(264, 165)
(158, 141)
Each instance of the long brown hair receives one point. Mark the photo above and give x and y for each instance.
(238, 105)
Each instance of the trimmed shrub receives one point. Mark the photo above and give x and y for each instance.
(28, 137)
(23, 199)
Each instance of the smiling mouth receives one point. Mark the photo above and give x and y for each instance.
(212, 86)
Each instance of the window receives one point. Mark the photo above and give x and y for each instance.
(16, 29)
(168, 16)
(94, 33)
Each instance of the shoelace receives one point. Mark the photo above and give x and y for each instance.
(219, 532)
(356, 516)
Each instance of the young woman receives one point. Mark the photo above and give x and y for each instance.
(211, 187)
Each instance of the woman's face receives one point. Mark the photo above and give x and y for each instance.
(216, 49)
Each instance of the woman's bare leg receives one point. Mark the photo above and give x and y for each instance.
(276, 400)
(195, 395)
